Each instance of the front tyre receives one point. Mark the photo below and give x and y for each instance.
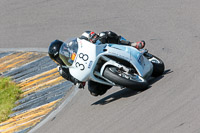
(132, 81)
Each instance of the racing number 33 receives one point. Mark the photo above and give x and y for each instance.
(84, 57)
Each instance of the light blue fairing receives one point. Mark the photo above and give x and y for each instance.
(134, 56)
(131, 50)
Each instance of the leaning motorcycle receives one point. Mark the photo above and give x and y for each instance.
(110, 64)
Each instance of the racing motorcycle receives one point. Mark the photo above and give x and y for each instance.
(110, 64)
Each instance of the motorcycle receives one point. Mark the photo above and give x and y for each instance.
(110, 64)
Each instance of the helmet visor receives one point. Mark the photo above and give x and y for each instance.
(68, 51)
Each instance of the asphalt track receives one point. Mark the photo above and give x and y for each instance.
(172, 32)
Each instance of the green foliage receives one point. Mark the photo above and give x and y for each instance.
(9, 94)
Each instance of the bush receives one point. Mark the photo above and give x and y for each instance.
(9, 94)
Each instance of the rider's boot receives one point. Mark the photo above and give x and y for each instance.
(138, 45)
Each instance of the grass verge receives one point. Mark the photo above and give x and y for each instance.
(9, 94)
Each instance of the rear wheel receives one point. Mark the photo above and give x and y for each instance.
(158, 66)
(132, 81)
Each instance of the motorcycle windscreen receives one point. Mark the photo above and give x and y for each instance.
(68, 51)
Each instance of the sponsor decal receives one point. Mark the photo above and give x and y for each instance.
(90, 64)
(141, 59)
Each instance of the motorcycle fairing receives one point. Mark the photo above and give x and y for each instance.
(132, 55)
(88, 55)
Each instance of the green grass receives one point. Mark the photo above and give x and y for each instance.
(9, 94)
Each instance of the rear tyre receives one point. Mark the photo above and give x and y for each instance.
(158, 66)
(132, 81)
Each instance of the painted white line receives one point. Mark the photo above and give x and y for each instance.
(55, 112)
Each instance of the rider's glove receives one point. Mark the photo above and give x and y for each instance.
(81, 85)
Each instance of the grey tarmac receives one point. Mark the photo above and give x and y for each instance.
(171, 31)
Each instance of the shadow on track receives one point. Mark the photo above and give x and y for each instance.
(128, 92)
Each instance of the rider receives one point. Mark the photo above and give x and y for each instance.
(101, 38)
(110, 37)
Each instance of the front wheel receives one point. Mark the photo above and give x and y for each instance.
(118, 76)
